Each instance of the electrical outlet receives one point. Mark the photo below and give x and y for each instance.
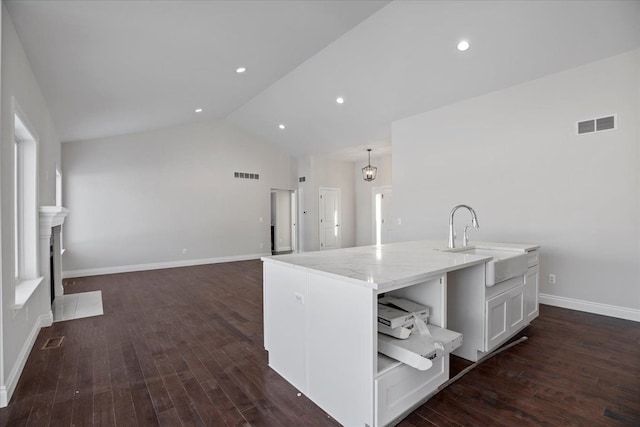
(299, 298)
(399, 221)
(184, 251)
(552, 279)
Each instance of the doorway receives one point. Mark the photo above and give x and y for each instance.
(382, 214)
(283, 221)
(330, 233)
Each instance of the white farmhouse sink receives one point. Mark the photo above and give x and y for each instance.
(504, 264)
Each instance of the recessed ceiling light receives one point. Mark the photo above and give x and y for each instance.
(198, 110)
(240, 70)
(340, 100)
(463, 45)
(281, 126)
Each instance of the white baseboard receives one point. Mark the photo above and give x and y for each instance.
(6, 391)
(591, 307)
(46, 320)
(158, 265)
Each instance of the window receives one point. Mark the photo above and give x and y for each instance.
(25, 211)
(58, 187)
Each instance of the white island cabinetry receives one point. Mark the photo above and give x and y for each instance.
(532, 287)
(320, 324)
(488, 316)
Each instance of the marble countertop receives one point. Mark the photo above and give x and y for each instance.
(390, 265)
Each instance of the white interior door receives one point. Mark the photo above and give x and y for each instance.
(329, 218)
(383, 215)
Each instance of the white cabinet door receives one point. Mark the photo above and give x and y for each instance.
(285, 323)
(531, 293)
(504, 315)
(497, 325)
(515, 309)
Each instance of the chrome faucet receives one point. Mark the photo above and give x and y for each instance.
(474, 223)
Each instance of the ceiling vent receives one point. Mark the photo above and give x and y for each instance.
(597, 125)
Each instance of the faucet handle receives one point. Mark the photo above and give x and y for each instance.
(465, 235)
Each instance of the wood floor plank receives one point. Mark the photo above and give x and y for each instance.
(83, 411)
(415, 420)
(123, 408)
(184, 347)
(41, 410)
(61, 413)
(224, 405)
(159, 395)
(103, 411)
(205, 407)
(181, 402)
(169, 418)
(145, 414)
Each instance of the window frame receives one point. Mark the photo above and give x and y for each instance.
(25, 210)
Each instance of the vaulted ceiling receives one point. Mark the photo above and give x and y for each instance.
(115, 67)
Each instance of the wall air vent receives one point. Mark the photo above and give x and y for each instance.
(586, 127)
(597, 125)
(606, 123)
(246, 175)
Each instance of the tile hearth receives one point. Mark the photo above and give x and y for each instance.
(77, 306)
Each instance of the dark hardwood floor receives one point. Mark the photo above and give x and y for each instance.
(183, 347)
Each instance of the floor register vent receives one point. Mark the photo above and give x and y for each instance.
(597, 125)
(53, 343)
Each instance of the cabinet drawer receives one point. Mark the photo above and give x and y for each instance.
(533, 258)
(400, 389)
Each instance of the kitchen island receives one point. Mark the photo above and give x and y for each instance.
(320, 320)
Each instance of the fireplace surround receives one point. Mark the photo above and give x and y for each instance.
(51, 220)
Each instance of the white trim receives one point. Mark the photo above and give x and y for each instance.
(4, 400)
(12, 380)
(159, 265)
(23, 291)
(591, 307)
(46, 320)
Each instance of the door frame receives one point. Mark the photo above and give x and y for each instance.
(375, 191)
(293, 210)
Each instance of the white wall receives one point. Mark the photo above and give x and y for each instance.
(321, 171)
(20, 327)
(138, 200)
(364, 196)
(514, 156)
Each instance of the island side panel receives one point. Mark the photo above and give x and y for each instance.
(284, 293)
(466, 309)
(342, 342)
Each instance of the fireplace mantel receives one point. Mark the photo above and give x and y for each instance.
(51, 216)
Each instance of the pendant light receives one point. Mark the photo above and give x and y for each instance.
(369, 172)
